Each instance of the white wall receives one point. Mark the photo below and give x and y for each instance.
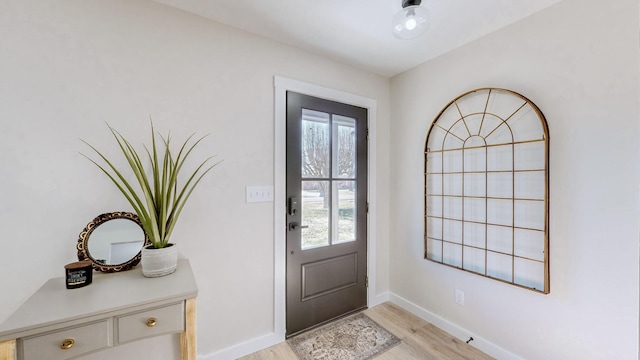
(67, 66)
(578, 61)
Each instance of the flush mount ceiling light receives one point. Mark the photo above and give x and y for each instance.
(411, 21)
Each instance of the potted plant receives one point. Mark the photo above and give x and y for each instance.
(156, 196)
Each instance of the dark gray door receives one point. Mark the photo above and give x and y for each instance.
(326, 211)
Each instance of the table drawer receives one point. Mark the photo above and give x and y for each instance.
(80, 340)
(164, 320)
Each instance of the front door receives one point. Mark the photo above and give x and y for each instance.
(326, 211)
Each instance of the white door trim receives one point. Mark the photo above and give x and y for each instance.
(282, 85)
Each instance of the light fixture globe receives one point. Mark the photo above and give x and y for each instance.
(411, 21)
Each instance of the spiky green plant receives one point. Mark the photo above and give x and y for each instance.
(159, 199)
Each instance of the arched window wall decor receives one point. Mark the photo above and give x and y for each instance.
(487, 188)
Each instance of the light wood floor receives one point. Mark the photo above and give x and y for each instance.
(420, 339)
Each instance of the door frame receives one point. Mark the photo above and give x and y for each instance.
(282, 85)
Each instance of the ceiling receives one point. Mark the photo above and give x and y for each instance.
(358, 32)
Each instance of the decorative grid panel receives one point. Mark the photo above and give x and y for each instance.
(487, 188)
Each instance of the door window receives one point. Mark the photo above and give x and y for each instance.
(328, 148)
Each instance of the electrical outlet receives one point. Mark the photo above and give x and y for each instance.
(259, 194)
(459, 297)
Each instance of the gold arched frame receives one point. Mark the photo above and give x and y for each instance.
(468, 221)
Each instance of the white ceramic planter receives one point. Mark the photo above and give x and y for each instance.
(159, 262)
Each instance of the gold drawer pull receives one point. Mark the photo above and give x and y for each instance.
(67, 344)
(152, 322)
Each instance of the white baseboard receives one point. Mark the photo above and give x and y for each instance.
(462, 334)
(379, 299)
(245, 348)
(268, 340)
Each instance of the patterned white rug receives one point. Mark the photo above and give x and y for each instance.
(356, 337)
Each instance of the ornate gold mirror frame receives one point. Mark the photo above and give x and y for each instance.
(112, 241)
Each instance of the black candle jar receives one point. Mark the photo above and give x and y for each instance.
(79, 274)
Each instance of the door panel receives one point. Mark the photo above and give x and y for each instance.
(327, 219)
(329, 275)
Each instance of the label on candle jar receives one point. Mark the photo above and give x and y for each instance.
(79, 274)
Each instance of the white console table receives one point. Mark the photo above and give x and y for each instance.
(59, 323)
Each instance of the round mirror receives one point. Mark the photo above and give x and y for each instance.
(112, 241)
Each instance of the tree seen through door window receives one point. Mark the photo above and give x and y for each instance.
(328, 173)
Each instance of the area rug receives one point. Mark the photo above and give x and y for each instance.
(356, 337)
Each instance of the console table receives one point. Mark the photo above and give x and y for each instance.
(58, 323)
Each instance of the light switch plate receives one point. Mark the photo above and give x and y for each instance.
(262, 193)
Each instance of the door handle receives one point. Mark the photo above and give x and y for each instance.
(296, 226)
